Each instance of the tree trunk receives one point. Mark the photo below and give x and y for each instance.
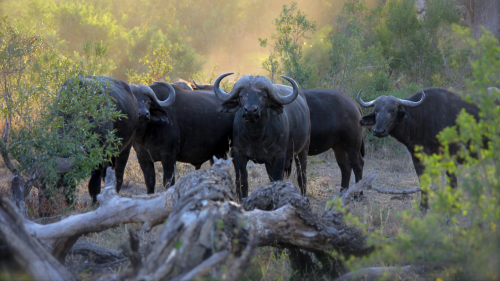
(207, 233)
(27, 252)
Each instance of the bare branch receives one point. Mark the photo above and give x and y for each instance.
(414, 190)
(365, 183)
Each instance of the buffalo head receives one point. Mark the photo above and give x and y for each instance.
(255, 95)
(148, 102)
(388, 112)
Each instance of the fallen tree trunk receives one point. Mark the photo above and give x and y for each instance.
(112, 212)
(206, 229)
(291, 223)
(27, 252)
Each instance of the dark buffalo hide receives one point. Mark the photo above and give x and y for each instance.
(190, 131)
(271, 126)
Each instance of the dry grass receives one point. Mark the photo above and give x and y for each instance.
(390, 161)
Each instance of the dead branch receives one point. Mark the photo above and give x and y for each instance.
(112, 212)
(132, 251)
(61, 247)
(28, 253)
(293, 224)
(206, 229)
(410, 191)
(17, 190)
(99, 254)
(345, 197)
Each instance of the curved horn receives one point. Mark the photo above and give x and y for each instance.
(412, 103)
(285, 99)
(199, 86)
(220, 93)
(365, 104)
(171, 95)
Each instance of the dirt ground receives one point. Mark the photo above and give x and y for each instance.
(387, 158)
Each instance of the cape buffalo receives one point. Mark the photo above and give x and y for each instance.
(202, 87)
(129, 101)
(417, 121)
(183, 84)
(190, 131)
(335, 125)
(271, 126)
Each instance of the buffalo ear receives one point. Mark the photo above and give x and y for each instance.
(159, 117)
(368, 120)
(275, 108)
(230, 106)
(402, 115)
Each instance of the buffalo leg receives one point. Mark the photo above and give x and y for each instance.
(345, 168)
(419, 168)
(120, 164)
(301, 163)
(278, 168)
(148, 169)
(240, 168)
(269, 170)
(168, 163)
(95, 183)
(356, 162)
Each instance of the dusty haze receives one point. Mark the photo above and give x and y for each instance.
(247, 55)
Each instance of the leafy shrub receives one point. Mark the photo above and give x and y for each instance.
(43, 120)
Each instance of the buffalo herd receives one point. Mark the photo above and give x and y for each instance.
(267, 123)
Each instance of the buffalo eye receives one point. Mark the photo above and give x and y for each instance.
(391, 111)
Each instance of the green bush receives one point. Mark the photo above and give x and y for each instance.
(292, 28)
(44, 121)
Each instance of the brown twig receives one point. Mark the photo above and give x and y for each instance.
(414, 190)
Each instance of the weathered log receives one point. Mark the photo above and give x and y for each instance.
(61, 247)
(348, 195)
(293, 224)
(132, 251)
(17, 188)
(206, 229)
(99, 254)
(113, 211)
(28, 253)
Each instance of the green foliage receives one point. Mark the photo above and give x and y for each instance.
(354, 65)
(415, 46)
(159, 66)
(375, 49)
(43, 119)
(460, 234)
(291, 29)
(131, 29)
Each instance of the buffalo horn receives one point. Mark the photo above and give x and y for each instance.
(408, 103)
(171, 95)
(285, 99)
(365, 104)
(198, 86)
(220, 93)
